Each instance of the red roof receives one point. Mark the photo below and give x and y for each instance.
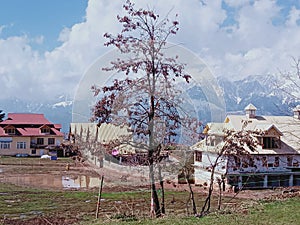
(57, 126)
(26, 118)
(29, 131)
(37, 132)
(2, 132)
(57, 132)
(38, 120)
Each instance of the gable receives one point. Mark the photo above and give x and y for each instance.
(269, 130)
(45, 129)
(227, 120)
(273, 132)
(9, 129)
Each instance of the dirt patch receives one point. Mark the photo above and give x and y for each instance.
(116, 201)
(285, 193)
(41, 221)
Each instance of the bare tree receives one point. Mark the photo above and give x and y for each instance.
(236, 143)
(145, 100)
(288, 82)
(187, 171)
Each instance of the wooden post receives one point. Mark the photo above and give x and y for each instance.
(99, 197)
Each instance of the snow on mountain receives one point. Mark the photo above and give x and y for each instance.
(262, 91)
(62, 104)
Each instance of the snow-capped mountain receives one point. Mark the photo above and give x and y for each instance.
(261, 91)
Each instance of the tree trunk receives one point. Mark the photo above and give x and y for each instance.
(163, 211)
(206, 206)
(220, 194)
(192, 197)
(152, 147)
(154, 192)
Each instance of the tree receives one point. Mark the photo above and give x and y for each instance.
(236, 143)
(146, 99)
(288, 82)
(2, 115)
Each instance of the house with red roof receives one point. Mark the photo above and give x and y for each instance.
(28, 134)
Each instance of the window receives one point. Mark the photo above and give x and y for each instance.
(289, 160)
(33, 151)
(251, 162)
(40, 141)
(51, 141)
(237, 161)
(198, 156)
(276, 162)
(21, 145)
(245, 163)
(10, 131)
(264, 161)
(45, 130)
(271, 142)
(4, 145)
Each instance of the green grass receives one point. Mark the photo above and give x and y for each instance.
(130, 207)
(8, 160)
(20, 201)
(286, 212)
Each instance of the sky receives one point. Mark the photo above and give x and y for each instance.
(47, 45)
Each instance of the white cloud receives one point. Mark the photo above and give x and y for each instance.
(236, 3)
(293, 17)
(64, 34)
(253, 46)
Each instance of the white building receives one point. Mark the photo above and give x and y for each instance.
(275, 161)
(92, 138)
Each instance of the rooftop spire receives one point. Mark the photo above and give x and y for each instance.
(250, 111)
(297, 112)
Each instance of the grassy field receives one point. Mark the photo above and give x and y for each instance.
(279, 212)
(21, 204)
(77, 207)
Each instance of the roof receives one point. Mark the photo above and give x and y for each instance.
(32, 132)
(23, 124)
(57, 126)
(25, 118)
(2, 132)
(250, 107)
(104, 134)
(267, 127)
(297, 108)
(215, 128)
(287, 126)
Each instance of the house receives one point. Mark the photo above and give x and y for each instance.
(275, 161)
(93, 139)
(28, 134)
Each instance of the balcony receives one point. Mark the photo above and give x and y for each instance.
(37, 146)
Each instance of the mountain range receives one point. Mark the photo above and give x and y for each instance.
(259, 90)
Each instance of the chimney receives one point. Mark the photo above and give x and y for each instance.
(250, 111)
(297, 112)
